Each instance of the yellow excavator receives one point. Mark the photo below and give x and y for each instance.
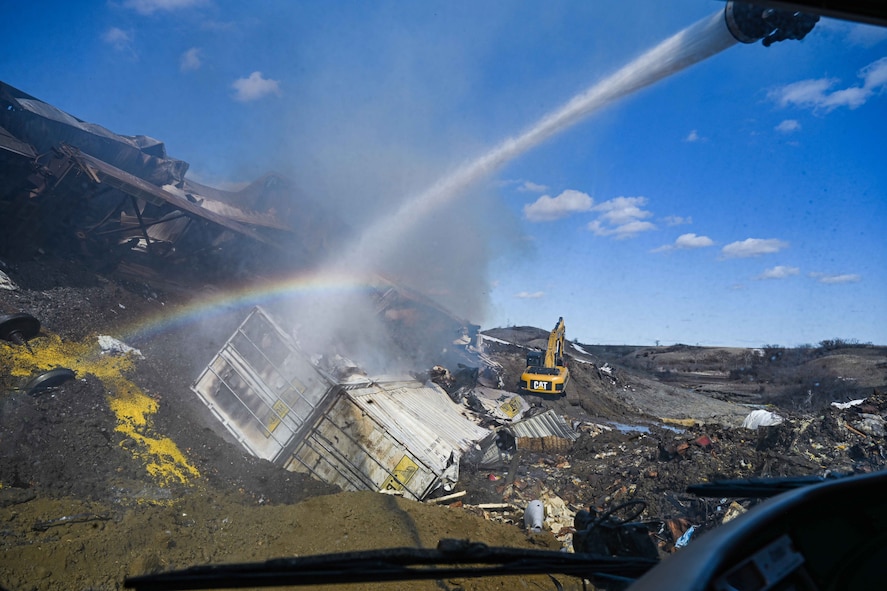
(547, 371)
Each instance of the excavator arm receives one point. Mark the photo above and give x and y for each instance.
(554, 354)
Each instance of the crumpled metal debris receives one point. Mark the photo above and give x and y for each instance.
(6, 282)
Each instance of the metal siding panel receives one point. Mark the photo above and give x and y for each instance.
(423, 418)
(261, 386)
(546, 424)
(349, 448)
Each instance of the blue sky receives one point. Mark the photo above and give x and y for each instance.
(742, 201)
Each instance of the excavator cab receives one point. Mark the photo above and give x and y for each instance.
(535, 358)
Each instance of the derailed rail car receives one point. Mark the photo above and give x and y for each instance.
(384, 434)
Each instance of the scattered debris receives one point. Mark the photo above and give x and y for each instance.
(685, 538)
(534, 516)
(446, 499)
(733, 511)
(112, 346)
(68, 519)
(7, 283)
(846, 405)
(614, 532)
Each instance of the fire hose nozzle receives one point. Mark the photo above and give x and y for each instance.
(749, 22)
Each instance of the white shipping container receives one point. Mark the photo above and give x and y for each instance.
(391, 433)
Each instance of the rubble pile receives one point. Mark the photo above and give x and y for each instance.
(607, 467)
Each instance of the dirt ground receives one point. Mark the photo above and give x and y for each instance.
(123, 472)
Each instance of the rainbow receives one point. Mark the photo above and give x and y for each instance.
(211, 305)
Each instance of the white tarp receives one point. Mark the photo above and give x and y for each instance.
(846, 405)
(761, 418)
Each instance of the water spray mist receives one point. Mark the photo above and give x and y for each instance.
(694, 44)
(711, 35)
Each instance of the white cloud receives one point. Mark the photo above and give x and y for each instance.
(691, 240)
(693, 136)
(788, 126)
(676, 220)
(803, 93)
(779, 272)
(254, 87)
(627, 230)
(875, 74)
(118, 39)
(816, 93)
(190, 60)
(623, 210)
(152, 6)
(621, 217)
(547, 208)
(531, 187)
(686, 242)
(834, 279)
(525, 295)
(752, 247)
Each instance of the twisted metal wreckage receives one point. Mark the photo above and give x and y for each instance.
(120, 198)
(122, 204)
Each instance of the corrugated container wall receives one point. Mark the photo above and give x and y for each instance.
(385, 434)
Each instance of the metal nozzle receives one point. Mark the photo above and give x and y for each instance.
(750, 22)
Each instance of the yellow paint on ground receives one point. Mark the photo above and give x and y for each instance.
(133, 408)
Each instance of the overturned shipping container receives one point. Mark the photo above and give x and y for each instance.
(393, 434)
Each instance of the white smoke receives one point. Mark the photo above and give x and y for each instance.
(440, 238)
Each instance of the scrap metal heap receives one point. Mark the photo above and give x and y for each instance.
(121, 201)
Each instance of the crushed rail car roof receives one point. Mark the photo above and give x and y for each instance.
(91, 190)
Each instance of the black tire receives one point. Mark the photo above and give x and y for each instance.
(49, 379)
